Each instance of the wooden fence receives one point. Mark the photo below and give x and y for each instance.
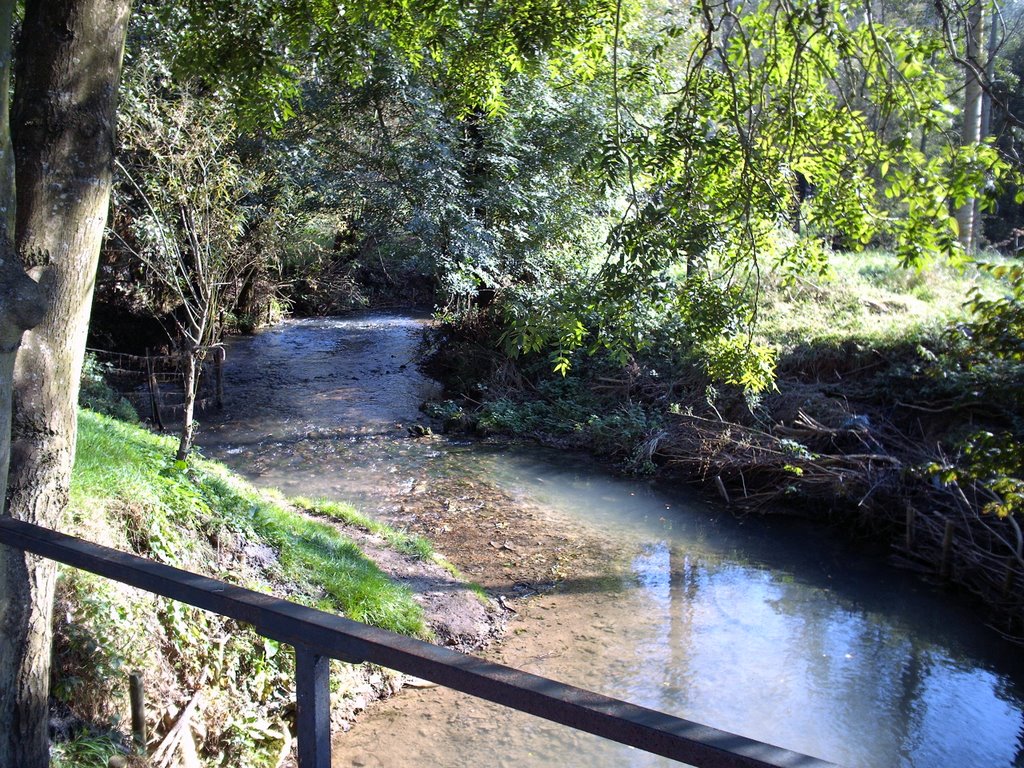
(318, 636)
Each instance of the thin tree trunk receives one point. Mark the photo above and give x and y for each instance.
(990, 72)
(68, 70)
(967, 215)
(191, 387)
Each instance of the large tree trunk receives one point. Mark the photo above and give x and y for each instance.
(64, 118)
(21, 303)
(21, 308)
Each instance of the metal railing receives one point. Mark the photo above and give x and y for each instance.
(318, 636)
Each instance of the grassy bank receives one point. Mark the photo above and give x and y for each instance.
(129, 494)
(879, 420)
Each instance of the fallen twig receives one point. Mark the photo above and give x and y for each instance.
(163, 755)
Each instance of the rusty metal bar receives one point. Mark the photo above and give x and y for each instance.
(324, 634)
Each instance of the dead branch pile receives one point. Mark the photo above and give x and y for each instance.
(862, 471)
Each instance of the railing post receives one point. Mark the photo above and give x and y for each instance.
(313, 708)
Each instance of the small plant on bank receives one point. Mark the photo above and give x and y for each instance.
(452, 415)
(991, 468)
(86, 750)
(990, 463)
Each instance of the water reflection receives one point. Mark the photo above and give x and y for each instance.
(763, 628)
(791, 639)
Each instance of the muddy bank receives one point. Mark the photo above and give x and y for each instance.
(509, 548)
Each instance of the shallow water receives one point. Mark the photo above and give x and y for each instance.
(764, 628)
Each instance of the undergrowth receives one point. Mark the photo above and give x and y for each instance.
(88, 750)
(866, 327)
(895, 389)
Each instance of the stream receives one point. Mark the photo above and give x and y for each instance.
(769, 628)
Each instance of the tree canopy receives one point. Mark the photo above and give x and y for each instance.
(580, 179)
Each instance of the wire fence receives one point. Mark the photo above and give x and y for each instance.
(154, 383)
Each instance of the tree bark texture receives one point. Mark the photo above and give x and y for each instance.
(21, 305)
(190, 387)
(68, 67)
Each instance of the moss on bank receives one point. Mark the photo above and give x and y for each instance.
(128, 493)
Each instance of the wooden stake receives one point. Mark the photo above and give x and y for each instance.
(154, 393)
(721, 488)
(911, 515)
(947, 549)
(137, 697)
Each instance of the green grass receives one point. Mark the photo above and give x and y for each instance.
(409, 544)
(401, 541)
(314, 551)
(123, 467)
(128, 493)
(88, 750)
(866, 297)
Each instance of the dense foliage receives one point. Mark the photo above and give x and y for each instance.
(612, 205)
(621, 179)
